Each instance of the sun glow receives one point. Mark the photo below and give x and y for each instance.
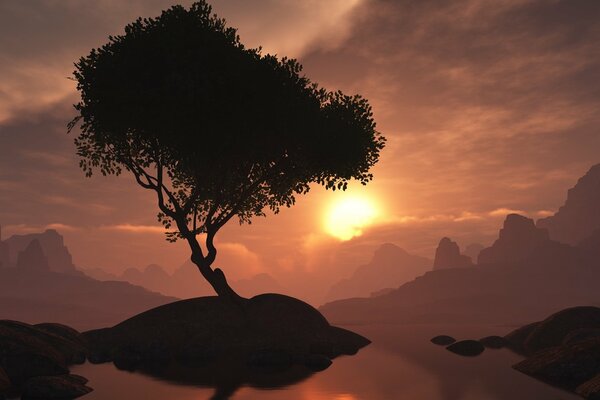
(347, 217)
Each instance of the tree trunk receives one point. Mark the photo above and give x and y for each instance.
(217, 280)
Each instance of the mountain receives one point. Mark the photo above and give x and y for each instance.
(390, 266)
(36, 296)
(523, 276)
(32, 257)
(52, 244)
(579, 217)
(447, 255)
(186, 281)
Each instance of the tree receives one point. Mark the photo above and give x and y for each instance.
(215, 129)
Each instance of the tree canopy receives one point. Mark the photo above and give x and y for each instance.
(216, 129)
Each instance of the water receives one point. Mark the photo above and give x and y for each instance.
(401, 363)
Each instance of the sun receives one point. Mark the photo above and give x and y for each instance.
(347, 217)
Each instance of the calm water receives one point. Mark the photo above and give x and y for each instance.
(401, 363)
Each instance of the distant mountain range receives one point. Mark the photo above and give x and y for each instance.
(186, 281)
(390, 266)
(530, 271)
(40, 283)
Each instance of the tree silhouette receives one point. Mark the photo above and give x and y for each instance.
(215, 129)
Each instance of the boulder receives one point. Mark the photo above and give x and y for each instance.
(213, 328)
(443, 340)
(4, 382)
(468, 348)
(447, 255)
(567, 366)
(579, 335)
(70, 346)
(516, 339)
(590, 389)
(553, 330)
(54, 387)
(494, 342)
(24, 353)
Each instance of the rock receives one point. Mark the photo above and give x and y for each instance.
(579, 217)
(58, 257)
(70, 349)
(270, 359)
(54, 387)
(516, 339)
(518, 239)
(579, 335)
(553, 330)
(73, 343)
(316, 362)
(590, 389)
(567, 366)
(447, 255)
(443, 340)
(260, 327)
(494, 342)
(26, 352)
(32, 258)
(4, 382)
(468, 348)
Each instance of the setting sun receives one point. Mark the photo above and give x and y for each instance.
(347, 217)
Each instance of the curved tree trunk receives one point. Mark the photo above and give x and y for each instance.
(217, 279)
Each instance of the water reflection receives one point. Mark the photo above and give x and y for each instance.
(400, 364)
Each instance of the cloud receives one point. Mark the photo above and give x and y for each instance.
(503, 212)
(131, 228)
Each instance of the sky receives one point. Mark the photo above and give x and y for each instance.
(488, 108)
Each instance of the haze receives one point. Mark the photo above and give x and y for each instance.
(488, 108)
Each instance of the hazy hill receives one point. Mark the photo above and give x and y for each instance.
(523, 276)
(186, 281)
(579, 217)
(390, 266)
(35, 296)
(52, 243)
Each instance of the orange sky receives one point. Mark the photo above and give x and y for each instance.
(487, 107)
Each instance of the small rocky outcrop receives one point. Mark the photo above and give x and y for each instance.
(467, 348)
(32, 258)
(590, 389)
(563, 350)
(560, 328)
(267, 329)
(443, 340)
(579, 217)
(4, 382)
(28, 352)
(494, 342)
(447, 255)
(55, 387)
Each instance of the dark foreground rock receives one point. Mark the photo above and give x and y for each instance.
(29, 353)
(494, 342)
(563, 350)
(443, 340)
(4, 382)
(590, 389)
(55, 387)
(468, 348)
(565, 326)
(266, 329)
